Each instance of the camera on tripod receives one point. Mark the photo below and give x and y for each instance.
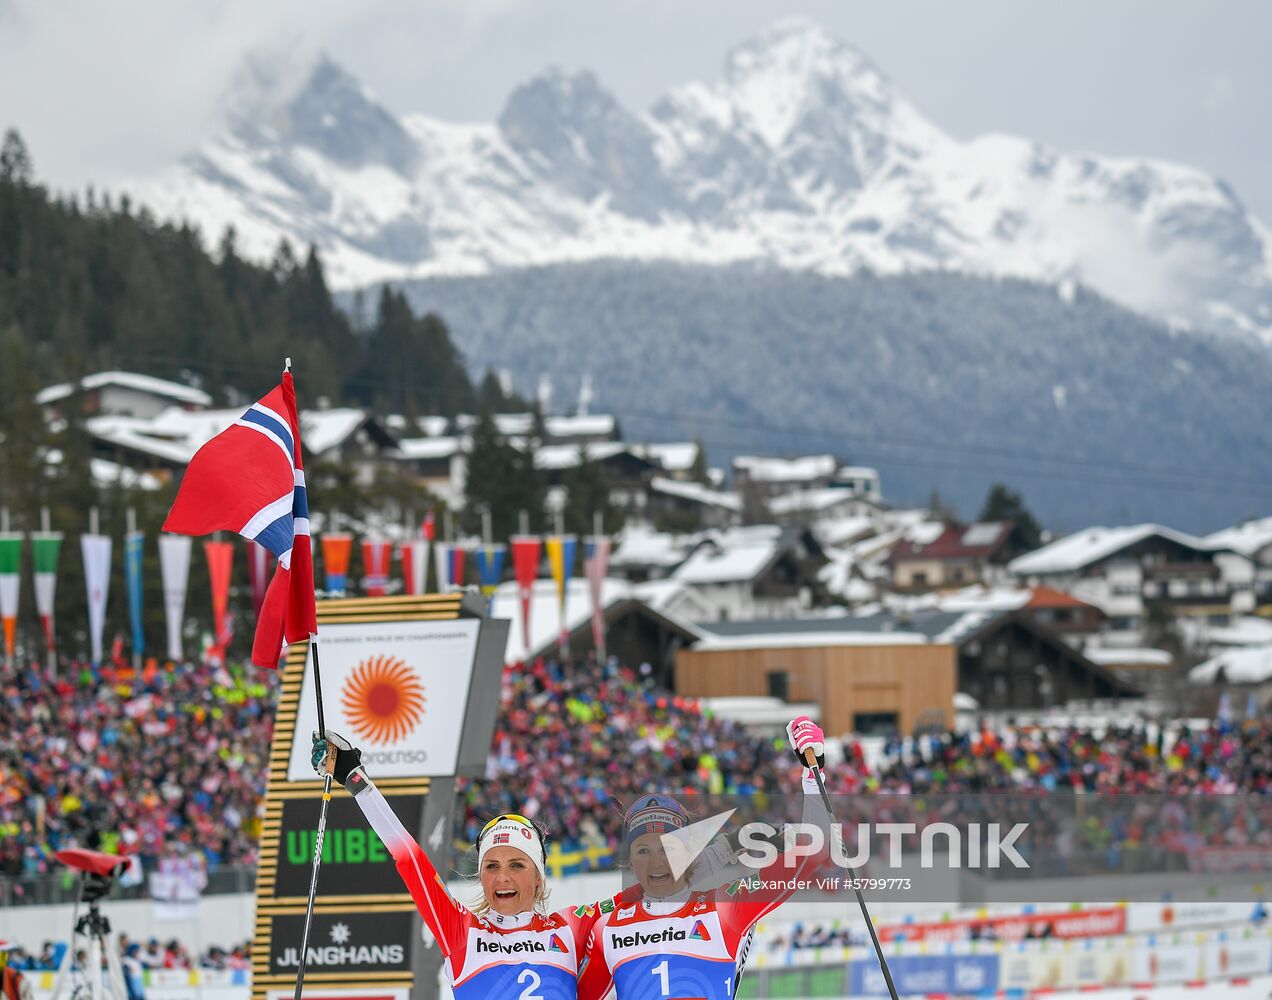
(98, 872)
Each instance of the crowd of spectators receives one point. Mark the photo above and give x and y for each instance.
(172, 759)
(1220, 758)
(137, 957)
(143, 762)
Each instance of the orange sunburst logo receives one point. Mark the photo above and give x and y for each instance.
(383, 700)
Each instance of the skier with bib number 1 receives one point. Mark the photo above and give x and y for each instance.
(664, 939)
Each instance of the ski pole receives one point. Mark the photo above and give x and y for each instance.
(811, 760)
(322, 829)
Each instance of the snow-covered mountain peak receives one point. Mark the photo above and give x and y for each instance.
(795, 69)
(802, 155)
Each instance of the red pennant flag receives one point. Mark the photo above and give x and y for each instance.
(220, 566)
(525, 566)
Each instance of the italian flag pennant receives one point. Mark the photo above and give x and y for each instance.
(46, 545)
(10, 564)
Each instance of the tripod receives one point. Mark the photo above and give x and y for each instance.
(86, 982)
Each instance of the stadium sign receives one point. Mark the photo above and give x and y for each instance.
(343, 942)
(354, 861)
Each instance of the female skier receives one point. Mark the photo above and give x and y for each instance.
(665, 939)
(506, 947)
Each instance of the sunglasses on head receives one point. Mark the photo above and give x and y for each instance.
(516, 818)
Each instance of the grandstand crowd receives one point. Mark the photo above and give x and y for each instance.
(137, 957)
(145, 762)
(173, 759)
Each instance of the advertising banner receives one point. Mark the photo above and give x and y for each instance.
(398, 690)
(354, 861)
(348, 941)
(927, 974)
(1097, 922)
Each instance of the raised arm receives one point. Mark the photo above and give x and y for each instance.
(445, 918)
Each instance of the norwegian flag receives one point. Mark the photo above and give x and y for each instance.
(250, 479)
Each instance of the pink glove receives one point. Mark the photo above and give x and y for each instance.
(804, 734)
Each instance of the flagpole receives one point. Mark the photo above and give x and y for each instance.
(322, 811)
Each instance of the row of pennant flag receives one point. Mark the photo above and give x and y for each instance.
(450, 561)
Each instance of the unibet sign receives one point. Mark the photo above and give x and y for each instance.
(354, 861)
(353, 847)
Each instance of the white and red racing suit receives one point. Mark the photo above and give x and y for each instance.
(494, 957)
(692, 945)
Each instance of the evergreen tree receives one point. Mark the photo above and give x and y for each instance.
(494, 480)
(1003, 504)
(587, 490)
(24, 438)
(698, 471)
(938, 509)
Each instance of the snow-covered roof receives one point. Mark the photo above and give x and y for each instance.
(581, 425)
(765, 469)
(1252, 665)
(131, 433)
(812, 638)
(1247, 538)
(106, 473)
(856, 472)
(980, 598)
(1117, 656)
(1076, 551)
(673, 456)
(520, 424)
(566, 456)
(127, 380)
(697, 493)
(545, 616)
(1241, 630)
(433, 447)
(732, 556)
(641, 545)
(431, 426)
(813, 501)
(175, 434)
(838, 578)
(322, 430)
(845, 529)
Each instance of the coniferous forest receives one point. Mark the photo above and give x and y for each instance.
(89, 284)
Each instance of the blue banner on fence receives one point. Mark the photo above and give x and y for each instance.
(965, 975)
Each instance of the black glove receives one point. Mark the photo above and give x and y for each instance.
(345, 759)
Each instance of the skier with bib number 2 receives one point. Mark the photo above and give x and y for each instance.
(507, 945)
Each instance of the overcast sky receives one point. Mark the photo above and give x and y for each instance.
(108, 90)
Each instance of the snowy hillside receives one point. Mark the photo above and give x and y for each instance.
(803, 156)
